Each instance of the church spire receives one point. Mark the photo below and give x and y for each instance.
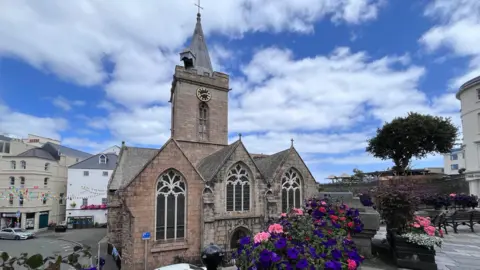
(196, 55)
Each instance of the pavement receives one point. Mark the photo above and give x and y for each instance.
(49, 243)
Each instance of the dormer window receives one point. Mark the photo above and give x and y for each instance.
(103, 159)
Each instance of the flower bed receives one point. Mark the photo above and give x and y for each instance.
(93, 207)
(317, 237)
(422, 233)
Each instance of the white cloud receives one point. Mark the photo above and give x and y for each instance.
(66, 104)
(21, 124)
(458, 30)
(88, 145)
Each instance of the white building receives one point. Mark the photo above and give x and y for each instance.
(33, 182)
(87, 189)
(454, 161)
(469, 96)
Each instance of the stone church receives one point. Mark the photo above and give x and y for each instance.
(198, 189)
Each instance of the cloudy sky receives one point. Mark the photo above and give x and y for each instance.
(324, 72)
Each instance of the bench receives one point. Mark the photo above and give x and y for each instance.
(461, 217)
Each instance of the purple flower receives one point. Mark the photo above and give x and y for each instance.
(275, 257)
(265, 257)
(292, 253)
(303, 263)
(281, 243)
(245, 241)
(333, 265)
(336, 254)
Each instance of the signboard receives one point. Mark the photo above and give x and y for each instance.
(18, 214)
(145, 235)
(9, 215)
(472, 176)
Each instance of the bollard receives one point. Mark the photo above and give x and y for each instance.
(212, 257)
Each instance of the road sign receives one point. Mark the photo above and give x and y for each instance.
(145, 235)
(18, 214)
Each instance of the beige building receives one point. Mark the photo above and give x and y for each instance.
(33, 182)
(198, 189)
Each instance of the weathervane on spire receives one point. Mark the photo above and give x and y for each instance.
(199, 7)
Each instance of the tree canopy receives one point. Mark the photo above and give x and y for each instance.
(413, 136)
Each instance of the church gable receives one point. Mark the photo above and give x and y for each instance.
(293, 181)
(168, 190)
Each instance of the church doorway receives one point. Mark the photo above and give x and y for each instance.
(238, 234)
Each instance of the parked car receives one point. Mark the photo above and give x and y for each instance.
(61, 227)
(15, 233)
(181, 266)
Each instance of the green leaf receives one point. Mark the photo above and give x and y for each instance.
(35, 261)
(5, 256)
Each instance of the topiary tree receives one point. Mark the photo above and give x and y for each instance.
(53, 262)
(415, 135)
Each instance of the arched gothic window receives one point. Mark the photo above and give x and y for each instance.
(203, 121)
(238, 189)
(171, 206)
(291, 190)
(23, 164)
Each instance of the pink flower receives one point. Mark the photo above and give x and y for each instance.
(440, 232)
(283, 215)
(430, 230)
(323, 203)
(352, 265)
(275, 228)
(416, 225)
(261, 237)
(453, 194)
(298, 211)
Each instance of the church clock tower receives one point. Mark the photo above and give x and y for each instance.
(199, 97)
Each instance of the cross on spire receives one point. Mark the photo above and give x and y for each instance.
(199, 7)
(240, 136)
(291, 141)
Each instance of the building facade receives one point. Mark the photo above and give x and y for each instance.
(12, 146)
(33, 185)
(198, 189)
(469, 96)
(454, 161)
(87, 189)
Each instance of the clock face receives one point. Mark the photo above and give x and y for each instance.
(203, 94)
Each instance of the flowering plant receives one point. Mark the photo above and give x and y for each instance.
(437, 201)
(316, 237)
(423, 233)
(463, 200)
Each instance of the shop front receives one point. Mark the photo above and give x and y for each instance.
(30, 221)
(10, 220)
(43, 220)
(80, 222)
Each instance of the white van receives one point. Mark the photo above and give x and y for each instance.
(181, 266)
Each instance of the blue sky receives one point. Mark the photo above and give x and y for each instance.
(324, 72)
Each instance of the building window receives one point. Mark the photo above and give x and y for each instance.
(60, 199)
(23, 164)
(85, 173)
(45, 182)
(20, 200)
(238, 189)
(454, 157)
(12, 181)
(105, 173)
(291, 190)
(203, 121)
(104, 201)
(22, 180)
(85, 201)
(171, 206)
(103, 159)
(47, 166)
(454, 166)
(478, 93)
(10, 199)
(4, 147)
(44, 200)
(13, 164)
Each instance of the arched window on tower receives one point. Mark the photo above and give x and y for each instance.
(291, 190)
(170, 206)
(238, 189)
(203, 121)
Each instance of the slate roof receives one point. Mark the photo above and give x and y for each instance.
(130, 162)
(269, 164)
(38, 153)
(5, 138)
(67, 151)
(210, 165)
(93, 163)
